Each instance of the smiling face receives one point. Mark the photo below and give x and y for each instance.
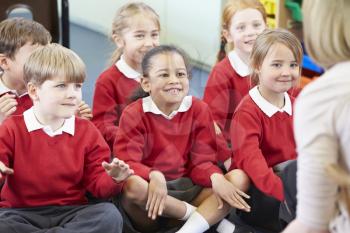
(279, 71)
(167, 81)
(137, 39)
(55, 99)
(245, 26)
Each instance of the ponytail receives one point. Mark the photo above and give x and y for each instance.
(139, 93)
(115, 56)
(222, 52)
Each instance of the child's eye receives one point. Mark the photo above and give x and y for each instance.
(182, 75)
(276, 65)
(61, 85)
(256, 25)
(155, 35)
(240, 27)
(139, 36)
(164, 75)
(294, 65)
(78, 85)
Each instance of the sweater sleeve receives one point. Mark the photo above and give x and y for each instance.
(246, 136)
(130, 142)
(322, 136)
(105, 114)
(6, 147)
(96, 179)
(204, 149)
(217, 96)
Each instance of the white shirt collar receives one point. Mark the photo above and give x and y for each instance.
(268, 108)
(33, 124)
(127, 70)
(4, 89)
(238, 65)
(149, 106)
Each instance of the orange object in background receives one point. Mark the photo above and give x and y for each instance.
(306, 80)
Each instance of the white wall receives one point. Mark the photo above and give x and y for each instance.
(194, 25)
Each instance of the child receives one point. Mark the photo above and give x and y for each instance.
(242, 21)
(135, 30)
(18, 39)
(168, 139)
(261, 127)
(321, 121)
(50, 158)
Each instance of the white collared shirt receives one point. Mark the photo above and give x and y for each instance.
(148, 105)
(128, 71)
(268, 108)
(238, 65)
(4, 89)
(33, 124)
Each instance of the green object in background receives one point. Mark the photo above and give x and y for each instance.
(295, 7)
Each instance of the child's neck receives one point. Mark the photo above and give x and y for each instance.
(54, 122)
(276, 99)
(167, 109)
(132, 64)
(243, 56)
(10, 84)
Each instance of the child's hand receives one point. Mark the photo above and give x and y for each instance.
(8, 105)
(217, 129)
(117, 169)
(84, 111)
(223, 189)
(5, 170)
(157, 193)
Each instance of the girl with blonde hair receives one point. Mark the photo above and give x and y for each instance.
(135, 30)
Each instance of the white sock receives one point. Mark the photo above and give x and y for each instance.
(225, 226)
(189, 210)
(195, 224)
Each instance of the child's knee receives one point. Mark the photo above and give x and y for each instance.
(135, 189)
(111, 218)
(239, 179)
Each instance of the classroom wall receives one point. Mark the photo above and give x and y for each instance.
(193, 25)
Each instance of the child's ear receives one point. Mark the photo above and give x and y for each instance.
(3, 61)
(227, 35)
(145, 84)
(118, 40)
(33, 91)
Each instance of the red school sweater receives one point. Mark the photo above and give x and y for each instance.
(223, 92)
(53, 170)
(182, 146)
(112, 92)
(260, 142)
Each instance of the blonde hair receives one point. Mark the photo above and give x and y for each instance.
(264, 42)
(16, 32)
(51, 61)
(230, 9)
(327, 40)
(122, 20)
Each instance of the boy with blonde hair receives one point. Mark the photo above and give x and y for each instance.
(50, 158)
